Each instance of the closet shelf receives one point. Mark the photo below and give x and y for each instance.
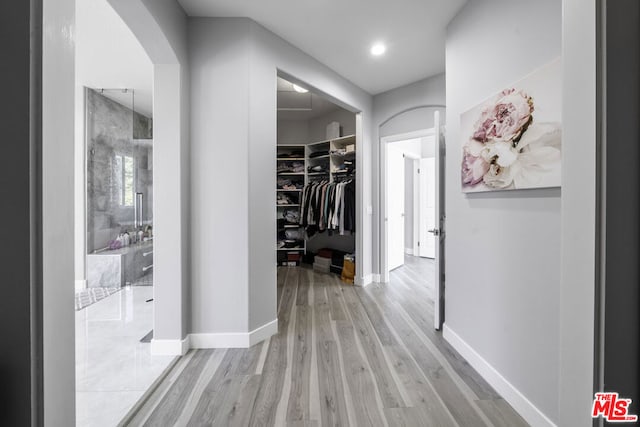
(290, 249)
(292, 226)
(317, 173)
(289, 205)
(291, 173)
(326, 156)
(342, 140)
(287, 191)
(286, 159)
(350, 154)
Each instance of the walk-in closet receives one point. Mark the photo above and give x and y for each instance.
(316, 182)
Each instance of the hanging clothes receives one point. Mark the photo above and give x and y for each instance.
(328, 206)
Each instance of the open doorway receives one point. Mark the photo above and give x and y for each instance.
(412, 217)
(410, 202)
(114, 304)
(317, 146)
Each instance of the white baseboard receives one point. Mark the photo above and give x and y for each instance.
(376, 278)
(170, 347)
(365, 280)
(234, 339)
(263, 332)
(408, 251)
(520, 403)
(80, 284)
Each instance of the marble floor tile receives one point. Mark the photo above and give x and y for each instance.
(113, 368)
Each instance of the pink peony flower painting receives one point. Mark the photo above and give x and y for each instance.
(513, 140)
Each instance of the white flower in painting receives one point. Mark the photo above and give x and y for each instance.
(540, 156)
(530, 164)
(498, 176)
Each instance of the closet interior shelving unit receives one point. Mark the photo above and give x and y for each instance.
(297, 165)
(291, 177)
(330, 156)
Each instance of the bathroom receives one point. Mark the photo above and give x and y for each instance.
(119, 159)
(114, 309)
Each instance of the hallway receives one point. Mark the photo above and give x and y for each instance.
(344, 355)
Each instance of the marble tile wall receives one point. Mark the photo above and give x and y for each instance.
(115, 130)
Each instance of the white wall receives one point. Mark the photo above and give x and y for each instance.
(269, 53)
(160, 27)
(58, 319)
(503, 248)
(219, 51)
(578, 223)
(402, 110)
(413, 147)
(318, 125)
(293, 132)
(234, 64)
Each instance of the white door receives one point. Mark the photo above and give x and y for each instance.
(427, 200)
(438, 230)
(395, 207)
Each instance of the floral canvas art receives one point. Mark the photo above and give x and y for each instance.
(514, 139)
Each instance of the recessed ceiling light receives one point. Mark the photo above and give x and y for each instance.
(299, 89)
(378, 49)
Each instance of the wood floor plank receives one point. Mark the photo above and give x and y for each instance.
(304, 280)
(249, 359)
(222, 384)
(424, 397)
(269, 393)
(391, 397)
(423, 316)
(376, 317)
(265, 405)
(456, 401)
(171, 406)
(332, 394)
(364, 394)
(501, 413)
(410, 417)
(235, 409)
(343, 355)
(334, 292)
(298, 408)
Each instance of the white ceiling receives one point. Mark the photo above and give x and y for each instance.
(339, 33)
(108, 56)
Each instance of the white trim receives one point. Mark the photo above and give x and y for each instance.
(170, 347)
(416, 207)
(408, 251)
(376, 278)
(263, 332)
(234, 339)
(81, 284)
(409, 135)
(220, 340)
(364, 280)
(520, 403)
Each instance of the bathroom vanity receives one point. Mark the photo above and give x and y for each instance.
(115, 268)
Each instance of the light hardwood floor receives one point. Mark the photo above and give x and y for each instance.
(343, 356)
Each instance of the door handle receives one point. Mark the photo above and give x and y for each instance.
(434, 231)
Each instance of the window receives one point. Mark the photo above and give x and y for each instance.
(123, 180)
